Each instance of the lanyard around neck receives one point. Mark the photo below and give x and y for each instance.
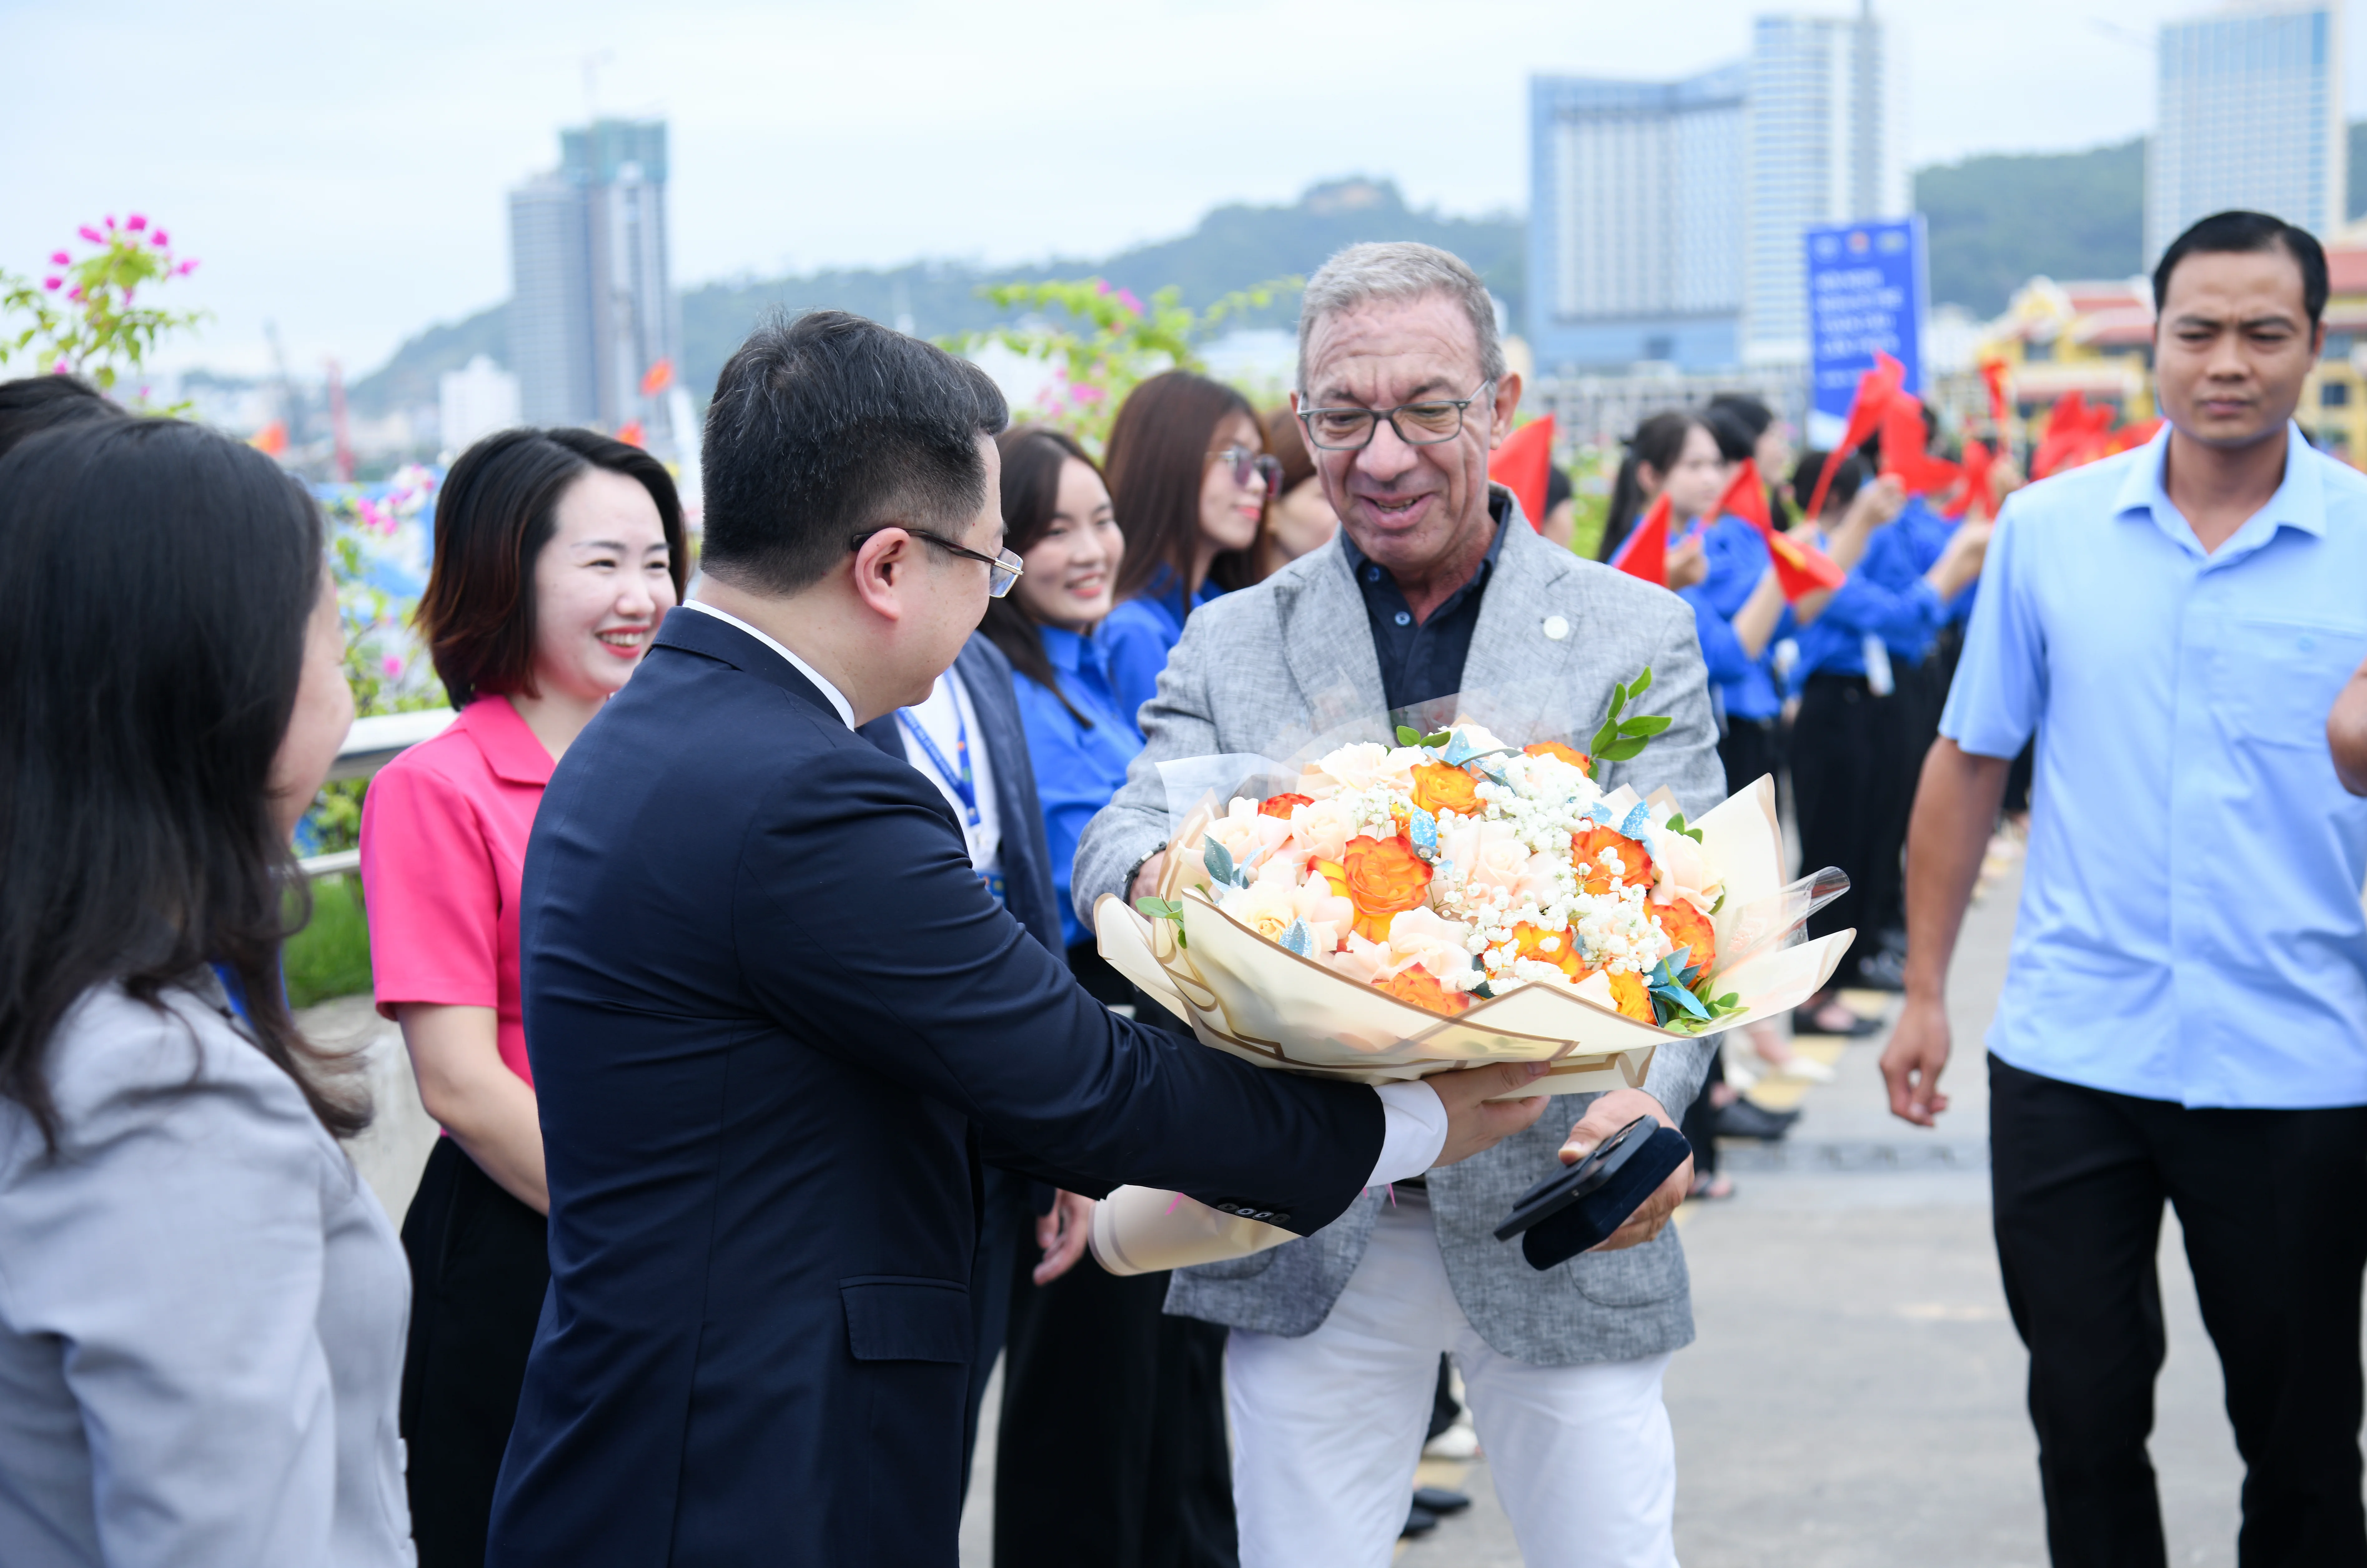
(959, 780)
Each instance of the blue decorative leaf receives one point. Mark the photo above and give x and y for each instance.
(1422, 827)
(1218, 860)
(1459, 750)
(1601, 814)
(1638, 822)
(1297, 940)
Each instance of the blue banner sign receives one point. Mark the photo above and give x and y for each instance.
(1867, 291)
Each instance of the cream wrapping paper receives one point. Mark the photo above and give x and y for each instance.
(1252, 997)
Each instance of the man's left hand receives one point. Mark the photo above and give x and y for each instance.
(1606, 1116)
(1062, 1233)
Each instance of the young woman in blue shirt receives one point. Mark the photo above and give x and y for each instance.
(1060, 520)
(1190, 477)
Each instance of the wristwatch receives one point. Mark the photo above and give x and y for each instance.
(1125, 888)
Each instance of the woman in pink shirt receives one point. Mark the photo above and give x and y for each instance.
(557, 553)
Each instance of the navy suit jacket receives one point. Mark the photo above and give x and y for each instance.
(769, 1006)
(1028, 890)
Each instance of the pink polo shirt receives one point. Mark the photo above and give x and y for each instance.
(444, 832)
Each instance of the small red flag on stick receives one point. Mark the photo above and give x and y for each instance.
(1902, 449)
(1644, 552)
(1875, 391)
(1799, 569)
(1523, 464)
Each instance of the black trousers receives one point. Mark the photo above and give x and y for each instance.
(2274, 1207)
(480, 1265)
(1112, 1451)
(1850, 792)
(1747, 750)
(1698, 1122)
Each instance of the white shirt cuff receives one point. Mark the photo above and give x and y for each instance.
(1415, 1132)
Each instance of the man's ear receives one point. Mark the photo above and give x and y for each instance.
(883, 570)
(1508, 401)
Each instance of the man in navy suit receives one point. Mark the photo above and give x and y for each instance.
(968, 739)
(778, 1020)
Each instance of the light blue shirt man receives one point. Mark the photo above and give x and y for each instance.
(2190, 928)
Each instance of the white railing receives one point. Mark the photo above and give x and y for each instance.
(370, 745)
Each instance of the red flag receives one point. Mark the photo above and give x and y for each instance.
(1799, 569)
(1644, 552)
(1523, 464)
(2134, 435)
(1902, 449)
(631, 433)
(2000, 407)
(2075, 435)
(1980, 489)
(658, 378)
(1875, 391)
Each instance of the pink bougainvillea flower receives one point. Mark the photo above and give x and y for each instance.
(59, 369)
(53, 284)
(1101, 286)
(74, 294)
(127, 295)
(1125, 298)
(93, 235)
(391, 665)
(136, 223)
(160, 238)
(110, 220)
(185, 268)
(59, 258)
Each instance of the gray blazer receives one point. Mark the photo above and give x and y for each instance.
(201, 1311)
(1290, 657)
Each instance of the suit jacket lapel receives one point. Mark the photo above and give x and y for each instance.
(1515, 669)
(1327, 641)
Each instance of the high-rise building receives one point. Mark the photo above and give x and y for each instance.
(1667, 219)
(592, 307)
(1636, 241)
(1824, 144)
(475, 402)
(2248, 114)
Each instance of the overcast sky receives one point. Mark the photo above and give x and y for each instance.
(341, 168)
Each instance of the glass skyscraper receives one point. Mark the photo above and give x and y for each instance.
(2248, 114)
(1666, 219)
(591, 305)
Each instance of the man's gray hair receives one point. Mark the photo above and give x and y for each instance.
(1399, 269)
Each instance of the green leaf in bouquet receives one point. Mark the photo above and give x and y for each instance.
(1408, 735)
(1158, 909)
(1616, 750)
(1714, 909)
(1647, 727)
(1218, 860)
(1677, 825)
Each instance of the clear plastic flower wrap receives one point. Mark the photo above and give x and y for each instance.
(1383, 912)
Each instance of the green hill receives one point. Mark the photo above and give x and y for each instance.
(1233, 247)
(1995, 221)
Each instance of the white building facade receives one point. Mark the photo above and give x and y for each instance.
(2248, 114)
(1825, 143)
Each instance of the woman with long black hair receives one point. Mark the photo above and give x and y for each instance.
(201, 1325)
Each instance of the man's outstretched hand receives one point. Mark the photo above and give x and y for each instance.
(1606, 1116)
(1473, 1124)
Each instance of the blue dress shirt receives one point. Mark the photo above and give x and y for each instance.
(1078, 767)
(2190, 926)
(1885, 597)
(1140, 634)
(1738, 558)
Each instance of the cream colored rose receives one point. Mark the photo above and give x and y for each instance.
(1487, 853)
(1682, 871)
(1321, 830)
(1423, 937)
(1367, 765)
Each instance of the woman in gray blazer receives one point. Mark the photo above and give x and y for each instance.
(201, 1305)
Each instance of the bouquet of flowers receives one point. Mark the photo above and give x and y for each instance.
(1456, 900)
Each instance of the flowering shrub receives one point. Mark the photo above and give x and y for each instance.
(80, 319)
(1112, 343)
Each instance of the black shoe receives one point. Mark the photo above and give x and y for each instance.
(1440, 1501)
(1744, 1119)
(1804, 1021)
(1884, 971)
(1418, 1521)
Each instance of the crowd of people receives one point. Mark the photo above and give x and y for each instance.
(740, 930)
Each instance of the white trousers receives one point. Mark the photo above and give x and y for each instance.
(1327, 1428)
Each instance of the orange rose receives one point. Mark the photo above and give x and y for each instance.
(1632, 999)
(1634, 863)
(1383, 875)
(1281, 803)
(1530, 940)
(1570, 754)
(1419, 986)
(1437, 787)
(1688, 927)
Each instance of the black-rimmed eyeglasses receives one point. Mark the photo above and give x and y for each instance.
(1003, 570)
(1425, 423)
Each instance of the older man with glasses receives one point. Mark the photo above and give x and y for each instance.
(1437, 584)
